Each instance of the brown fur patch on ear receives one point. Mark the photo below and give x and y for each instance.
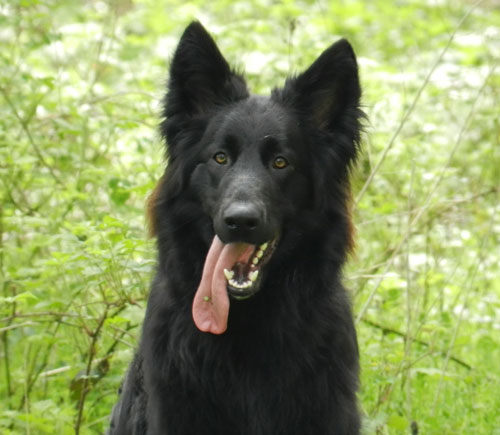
(351, 229)
(151, 209)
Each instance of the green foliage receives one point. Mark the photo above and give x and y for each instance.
(80, 85)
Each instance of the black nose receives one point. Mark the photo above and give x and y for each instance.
(242, 217)
(242, 221)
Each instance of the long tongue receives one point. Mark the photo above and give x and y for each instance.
(211, 302)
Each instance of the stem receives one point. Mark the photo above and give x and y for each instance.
(413, 105)
(24, 126)
(427, 201)
(92, 352)
(389, 330)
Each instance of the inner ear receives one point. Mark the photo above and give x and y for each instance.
(328, 90)
(200, 77)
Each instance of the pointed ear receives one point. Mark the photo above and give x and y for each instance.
(200, 77)
(328, 92)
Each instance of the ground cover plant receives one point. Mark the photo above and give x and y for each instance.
(80, 87)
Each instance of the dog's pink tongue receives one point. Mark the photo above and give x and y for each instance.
(211, 302)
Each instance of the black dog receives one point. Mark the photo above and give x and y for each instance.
(252, 213)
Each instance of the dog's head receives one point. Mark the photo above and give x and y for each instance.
(254, 164)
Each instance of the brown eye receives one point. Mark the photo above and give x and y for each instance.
(220, 158)
(280, 163)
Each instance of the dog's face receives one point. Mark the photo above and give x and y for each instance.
(250, 180)
(255, 164)
(250, 177)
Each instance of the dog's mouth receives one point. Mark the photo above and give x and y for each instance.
(232, 269)
(243, 279)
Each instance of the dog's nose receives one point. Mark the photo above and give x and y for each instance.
(242, 217)
(242, 222)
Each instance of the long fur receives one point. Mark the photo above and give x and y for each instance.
(288, 362)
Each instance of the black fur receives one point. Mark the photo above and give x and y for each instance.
(288, 361)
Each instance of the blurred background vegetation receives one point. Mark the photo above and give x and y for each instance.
(80, 88)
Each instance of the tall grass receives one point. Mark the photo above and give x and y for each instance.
(80, 87)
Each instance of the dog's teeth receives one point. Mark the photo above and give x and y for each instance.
(253, 275)
(241, 286)
(229, 274)
(263, 247)
(259, 253)
(255, 260)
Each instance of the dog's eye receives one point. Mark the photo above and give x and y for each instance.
(220, 158)
(280, 163)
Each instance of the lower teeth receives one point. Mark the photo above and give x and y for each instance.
(243, 285)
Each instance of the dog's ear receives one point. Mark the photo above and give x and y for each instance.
(326, 100)
(200, 77)
(328, 93)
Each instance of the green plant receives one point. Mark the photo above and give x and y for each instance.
(80, 87)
